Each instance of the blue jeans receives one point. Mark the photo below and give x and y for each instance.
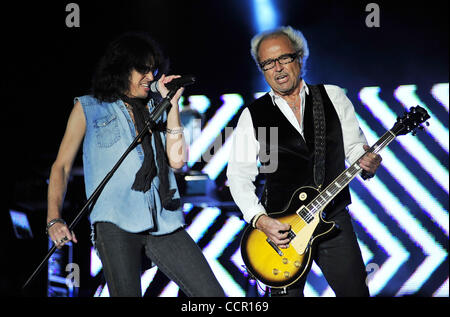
(175, 254)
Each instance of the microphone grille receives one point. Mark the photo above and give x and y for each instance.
(154, 87)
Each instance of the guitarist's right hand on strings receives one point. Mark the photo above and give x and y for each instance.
(274, 230)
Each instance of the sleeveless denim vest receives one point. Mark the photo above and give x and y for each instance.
(109, 132)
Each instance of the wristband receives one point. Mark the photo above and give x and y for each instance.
(52, 222)
(178, 130)
(256, 217)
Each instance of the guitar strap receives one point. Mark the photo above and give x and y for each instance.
(319, 136)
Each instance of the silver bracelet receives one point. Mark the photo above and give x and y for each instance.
(178, 130)
(52, 222)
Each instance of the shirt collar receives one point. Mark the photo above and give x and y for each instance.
(304, 89)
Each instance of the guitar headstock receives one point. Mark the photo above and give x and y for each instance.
(410, 121)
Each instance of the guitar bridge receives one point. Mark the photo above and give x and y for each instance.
(274, 246)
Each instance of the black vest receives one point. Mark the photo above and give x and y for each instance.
(292, 155)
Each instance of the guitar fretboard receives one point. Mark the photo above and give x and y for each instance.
(335, 187)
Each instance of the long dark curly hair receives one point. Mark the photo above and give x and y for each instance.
(133, 50)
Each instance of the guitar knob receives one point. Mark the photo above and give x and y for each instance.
(287, 274)
(285, 261)
(302, 196)
(297, 263)
(275, 271)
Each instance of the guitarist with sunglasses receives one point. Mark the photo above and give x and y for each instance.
(302, 135)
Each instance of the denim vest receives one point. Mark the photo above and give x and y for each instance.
(109, 132)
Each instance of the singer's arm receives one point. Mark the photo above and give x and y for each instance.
(60, 172)
(175, 143)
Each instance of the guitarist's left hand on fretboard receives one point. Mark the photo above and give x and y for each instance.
(369, 163)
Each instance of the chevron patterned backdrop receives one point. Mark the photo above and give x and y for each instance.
(400, 216)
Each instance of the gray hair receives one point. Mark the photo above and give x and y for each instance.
(295, 36)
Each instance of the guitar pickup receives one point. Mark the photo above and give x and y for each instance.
(291, 234)
(274, 246)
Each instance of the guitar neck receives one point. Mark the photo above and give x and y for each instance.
(335, 187)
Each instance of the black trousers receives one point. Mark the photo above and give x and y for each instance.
(340, 260)
(175, 254)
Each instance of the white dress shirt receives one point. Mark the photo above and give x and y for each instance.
(243, 163)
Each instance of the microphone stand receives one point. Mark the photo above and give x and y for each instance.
(157, 112)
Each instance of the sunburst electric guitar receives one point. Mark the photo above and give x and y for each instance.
(280, 268)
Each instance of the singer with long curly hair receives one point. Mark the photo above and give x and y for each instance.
(138, 211)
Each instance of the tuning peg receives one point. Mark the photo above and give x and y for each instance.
(427, 124)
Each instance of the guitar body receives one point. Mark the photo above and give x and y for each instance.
(283, 267)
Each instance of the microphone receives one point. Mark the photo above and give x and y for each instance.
(175, 84)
